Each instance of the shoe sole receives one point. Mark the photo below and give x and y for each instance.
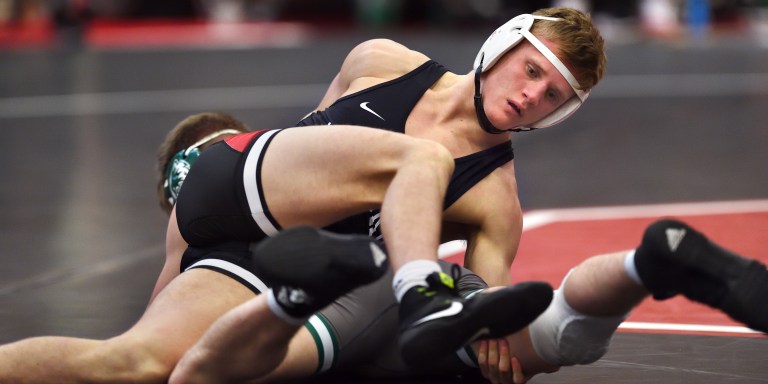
(311, 258)
(745, 300)
(492, 315)
(742, 283)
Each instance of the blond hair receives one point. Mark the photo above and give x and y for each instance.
(581, 46)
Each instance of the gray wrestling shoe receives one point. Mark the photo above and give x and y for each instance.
(309, 268)
(676, 259)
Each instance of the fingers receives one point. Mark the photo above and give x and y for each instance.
(505, 372)
(482, 358)
(494, 361)
(518, 377)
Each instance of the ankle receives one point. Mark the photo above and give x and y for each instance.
(631, 268)
(280, 305)
(413, 274)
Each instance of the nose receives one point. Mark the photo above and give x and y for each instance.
(534, 91)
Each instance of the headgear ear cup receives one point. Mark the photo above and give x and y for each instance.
(177, 171)
(179, 165)
(507, 37)
(502, 40)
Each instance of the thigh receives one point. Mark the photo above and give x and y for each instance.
(318, 175)
(181, 313)
(300, 362)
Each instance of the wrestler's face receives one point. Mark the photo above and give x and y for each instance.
(523, 87)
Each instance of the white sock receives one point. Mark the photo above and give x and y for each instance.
(278, 310)
(631, 269)
(413, 274)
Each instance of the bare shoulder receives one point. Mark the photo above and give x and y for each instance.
(382, 58)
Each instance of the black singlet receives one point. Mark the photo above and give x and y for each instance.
(388, 105)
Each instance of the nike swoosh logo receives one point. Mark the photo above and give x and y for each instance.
(365, 107)
(453, 310)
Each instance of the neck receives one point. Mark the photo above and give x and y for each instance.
(458, 111)
(446, 113)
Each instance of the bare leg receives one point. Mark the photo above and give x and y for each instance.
(411, 222)
(672, 258)
(144, 354)
(601, 291)
(600, 286)
(252, 340)
(245, 344)
(400, 174)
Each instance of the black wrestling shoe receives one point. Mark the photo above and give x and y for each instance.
(308, 268)
(676, 259)
(435, 321)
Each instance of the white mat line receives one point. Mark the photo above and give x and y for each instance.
(537, 218)
(686, 327)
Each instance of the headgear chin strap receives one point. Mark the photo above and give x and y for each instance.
(485, 124)
(179, 165)
(500, 42)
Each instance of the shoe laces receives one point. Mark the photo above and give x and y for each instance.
(441, 281)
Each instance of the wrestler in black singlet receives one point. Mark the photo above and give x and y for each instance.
(387, 106)
(343, 340)
(205, 223)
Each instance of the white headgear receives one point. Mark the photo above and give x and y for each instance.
(509, 35)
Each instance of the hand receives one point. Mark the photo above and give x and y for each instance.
(496, 365)
(518, 376)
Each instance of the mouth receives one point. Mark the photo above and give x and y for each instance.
(515, 108)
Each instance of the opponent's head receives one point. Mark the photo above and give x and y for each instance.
(580, 57)
(182, 146)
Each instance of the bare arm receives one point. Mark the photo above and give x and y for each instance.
(492, 211)
(370, 62)
(174, 249)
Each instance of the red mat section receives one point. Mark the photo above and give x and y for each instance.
(562, 240)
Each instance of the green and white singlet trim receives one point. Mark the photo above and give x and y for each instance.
(325, 340)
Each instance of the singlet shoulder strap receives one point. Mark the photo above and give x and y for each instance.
(470, 169)
(422, 77)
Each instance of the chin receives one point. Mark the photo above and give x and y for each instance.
(503, 123)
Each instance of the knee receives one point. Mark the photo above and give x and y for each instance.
(237, 363)
(430, 154)
(562, 336)
(119, 361)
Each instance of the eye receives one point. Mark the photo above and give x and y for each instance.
(553, 96)
(531, 70)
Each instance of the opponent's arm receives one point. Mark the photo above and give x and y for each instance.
(174, 249)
